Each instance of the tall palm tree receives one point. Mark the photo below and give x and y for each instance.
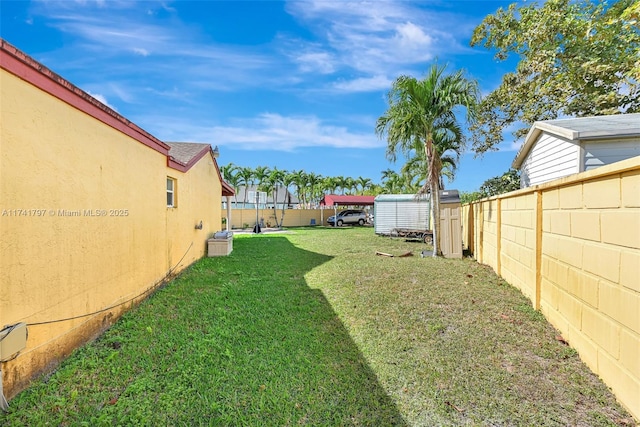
(364, 183)
(312, 184)
(387, 173)
(261, 176)
(350, 185)
(417, 108)
(391, 182)
(299, 180)
(330, 184)
(246, 178)
(231, 175)
(449, 140)
(273, 181)
(288, 179)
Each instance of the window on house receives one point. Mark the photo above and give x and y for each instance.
(171, 192)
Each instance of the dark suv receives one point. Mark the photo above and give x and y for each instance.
(348, 216)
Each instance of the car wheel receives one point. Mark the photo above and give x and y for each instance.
(361, 221)
(428, 239)
(339, 223)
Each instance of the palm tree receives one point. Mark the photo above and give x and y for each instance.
(350, 184)
(288, 179)
(231, 175)
(274, 180)
(330, 184)
(364, 183)
(391, 182)
(298, 178)
(387, 173)
(417, 109)
(449, 141)
(246, 179)
(312, 183)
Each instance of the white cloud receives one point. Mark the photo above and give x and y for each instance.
(271, 131)
(364, 84)
(321, 62)
(410, 37)
(376, 40)
(140, 51)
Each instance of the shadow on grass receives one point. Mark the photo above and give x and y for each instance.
(295, 360)
(237, 340)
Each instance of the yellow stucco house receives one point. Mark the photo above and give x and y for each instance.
(95, 213)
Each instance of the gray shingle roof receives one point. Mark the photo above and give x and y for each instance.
(184, 152)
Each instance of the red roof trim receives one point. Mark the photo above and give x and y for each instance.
(227, 189)
(31, 71)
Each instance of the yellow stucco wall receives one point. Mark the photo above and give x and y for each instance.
(198, 199)
(292, 217)
(84, 223)
(573, 247)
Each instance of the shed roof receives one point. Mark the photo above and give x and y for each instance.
(340, 200)
(400, 197)
(446, 196)
(581, 128)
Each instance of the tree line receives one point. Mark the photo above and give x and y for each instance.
(308, 187)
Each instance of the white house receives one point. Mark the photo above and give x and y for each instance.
(557, 148)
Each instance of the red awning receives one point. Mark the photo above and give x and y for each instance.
(337, 200)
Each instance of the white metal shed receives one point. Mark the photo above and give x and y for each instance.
(401, 211)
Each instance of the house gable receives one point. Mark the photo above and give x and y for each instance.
(551, 157)
(557, 148)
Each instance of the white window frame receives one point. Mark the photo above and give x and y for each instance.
(171, 192)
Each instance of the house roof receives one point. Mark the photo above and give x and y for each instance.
(183, 155)
(185, 152)
(581, 128)
(339, 200)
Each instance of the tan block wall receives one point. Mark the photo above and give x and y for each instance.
(576, 255)
(518, 243)
(292, 217)
(56, 159)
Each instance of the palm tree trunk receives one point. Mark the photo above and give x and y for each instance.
(287, 200)
(433, 178)
(435, 206)
(275, 205)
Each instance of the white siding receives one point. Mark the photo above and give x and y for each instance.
(403, 212)
(605, 152)
(550, 158)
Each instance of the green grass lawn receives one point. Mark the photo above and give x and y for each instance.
(312, 328)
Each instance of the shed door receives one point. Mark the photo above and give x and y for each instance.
(451, 231)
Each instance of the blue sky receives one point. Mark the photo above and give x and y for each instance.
(293, 85)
